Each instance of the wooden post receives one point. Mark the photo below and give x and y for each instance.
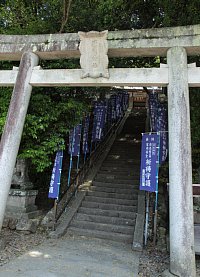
(12, 133)
(182, 256)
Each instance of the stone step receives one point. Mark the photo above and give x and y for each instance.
(120, 162)
(122, 158)
(105, 219)
(126, 146)
(126, 196)
(123, 166)
(126, 143)
(118, 170)
(101, 235)
(116, 181)
(114, 190)
(105, 206)
(107, 200)
(109, 176)
(126, 185)
(118, 173)
(127, 150)
(108, 213)
(128, 230)
(120, 146)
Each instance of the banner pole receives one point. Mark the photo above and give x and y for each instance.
(146, 220)
(78, 160)
(155, 220)
(70, 168)
(85, 156)
(55, 213)
(156, 200)
(91, 148)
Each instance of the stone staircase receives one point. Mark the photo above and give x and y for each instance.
(109, 208)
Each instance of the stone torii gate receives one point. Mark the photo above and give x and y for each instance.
(175, 43)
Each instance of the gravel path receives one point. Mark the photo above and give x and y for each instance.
(13, 243)
(154, 261)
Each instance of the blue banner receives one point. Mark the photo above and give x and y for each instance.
(113, 107)
(149, 162)
(153, 106)
(118, 105)
(162, 128)
(85, 148)
(55, 177)
(98, 122)
(109, 113)
(75, 140)
(125, 101)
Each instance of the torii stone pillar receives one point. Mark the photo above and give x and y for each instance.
(182, 256)
(12, 133)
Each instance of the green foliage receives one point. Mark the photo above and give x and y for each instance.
(5, 95)
(180, 12)
(52, 111)
(195, 115)
(195, 128)
(45, 16)
(30, 17)
(50, 117)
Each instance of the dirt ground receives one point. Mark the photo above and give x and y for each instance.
(14, 244)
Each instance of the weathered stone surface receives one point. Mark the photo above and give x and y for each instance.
(27, 225)
(182, 256)
(12, 223)
(2, 243)
(118, 77)
(20, 177)
(11, 137)
(48, 220)
(5, 223)
(21, 203)
(146, 42)
(94, 48)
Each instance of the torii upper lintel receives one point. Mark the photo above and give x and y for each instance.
(131, 43)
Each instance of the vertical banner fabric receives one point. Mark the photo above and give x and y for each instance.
(158, 123)
(101, 111)
(162, 129)
(149, 162)
(85, 148)
(113, 105)
(55, 177)
(109, 113)
(153, 105)
(118, 106)
(98, 122)
(75, 140)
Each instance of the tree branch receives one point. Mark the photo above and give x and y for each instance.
(66, 10)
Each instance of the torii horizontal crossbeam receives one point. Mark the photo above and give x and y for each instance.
(118, 77)
(132, 43)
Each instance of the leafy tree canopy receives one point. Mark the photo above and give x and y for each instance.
(51, 111)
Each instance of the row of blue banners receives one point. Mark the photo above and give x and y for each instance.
(154, 145)
(56, 174)
(149, 162)
(105, 114)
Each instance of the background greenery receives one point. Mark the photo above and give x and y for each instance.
(53, 111)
